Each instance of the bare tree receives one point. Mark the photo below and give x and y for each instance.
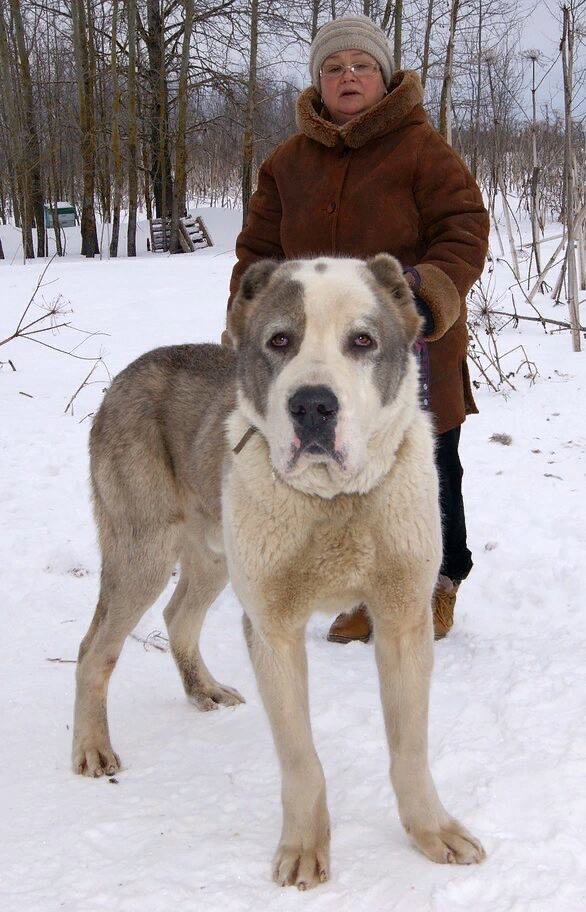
(180, 182)
(81, 46)
(567, 49)
(132, 131)
(249, 114)
(116, 153)
(158, 95)
(15, 137)
(31, 147)
(398, 32)
(533, 56)
(445, 124)
(427, 42)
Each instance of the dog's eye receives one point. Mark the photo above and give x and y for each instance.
(362, 340)
(279, 340)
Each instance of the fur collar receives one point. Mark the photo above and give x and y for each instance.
(405, 93)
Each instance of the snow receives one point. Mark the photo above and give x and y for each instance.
(192, 820)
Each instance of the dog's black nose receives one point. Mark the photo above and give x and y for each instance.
(313, 407)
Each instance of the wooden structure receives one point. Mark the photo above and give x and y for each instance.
(193, 234)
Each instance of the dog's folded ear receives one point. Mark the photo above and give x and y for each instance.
(388, 273)
(254, 279)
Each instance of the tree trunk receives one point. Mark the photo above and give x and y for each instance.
(445, 124)
(19, 180)
(180, 182)
(315, 4)
(16, 176)
(498, 178)
(56, 223)
(567, 49)
(159, 111)
(535, 176)
(89, 234)
(247, 148)
(397, 44)
(32, 161)
(132, 131)
(427, 42)
(476, 124)
(116, 156)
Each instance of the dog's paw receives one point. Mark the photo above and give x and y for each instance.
(95, 761)
(449, 844)
(301, 868)
(212, 697)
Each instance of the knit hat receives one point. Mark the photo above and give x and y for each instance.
(350, 33)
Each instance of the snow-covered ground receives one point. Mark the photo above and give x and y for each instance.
(192, 820)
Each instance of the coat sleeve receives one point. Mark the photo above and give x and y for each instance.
(455, 227)
(261, 238)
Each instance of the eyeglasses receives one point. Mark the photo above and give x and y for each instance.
(337, 70)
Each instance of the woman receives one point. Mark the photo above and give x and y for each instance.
(367, 173)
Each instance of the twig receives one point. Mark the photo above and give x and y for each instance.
(32, 329)
(81, 386)
(32, 298)
(561, 323)
(155, 639)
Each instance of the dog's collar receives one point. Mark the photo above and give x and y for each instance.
(244, 440)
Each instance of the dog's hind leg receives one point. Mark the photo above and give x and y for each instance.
(404, 658)
(280, 665)
(203, 576)
(136, 566)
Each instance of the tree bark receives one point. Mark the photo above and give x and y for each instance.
(315, 4)
(132, 131)
(89, 234)
(32, 150)
(445, 124)
(116, 156)
(180, 182)
(398, 40)
(567, 49)
(247, 148)
(159, 111)
(19, 180)
(427, 42)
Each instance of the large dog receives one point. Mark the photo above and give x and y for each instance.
(301, 466)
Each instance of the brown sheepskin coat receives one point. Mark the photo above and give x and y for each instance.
(385, 181)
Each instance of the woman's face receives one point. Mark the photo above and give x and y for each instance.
(346, 93)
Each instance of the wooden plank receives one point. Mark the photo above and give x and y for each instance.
(204, 231)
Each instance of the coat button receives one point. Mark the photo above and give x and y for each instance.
(331, 208)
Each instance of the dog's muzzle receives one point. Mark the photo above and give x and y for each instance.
(314, 410)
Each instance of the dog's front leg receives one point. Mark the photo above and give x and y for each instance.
(280, 665)
(404, 663)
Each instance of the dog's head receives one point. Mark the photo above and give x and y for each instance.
(326, 369)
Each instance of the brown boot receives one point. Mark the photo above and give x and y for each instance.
(443, 602)
(353, 626)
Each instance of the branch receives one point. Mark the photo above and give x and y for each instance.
(516, 316)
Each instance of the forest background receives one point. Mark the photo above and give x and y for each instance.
(151, 106)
